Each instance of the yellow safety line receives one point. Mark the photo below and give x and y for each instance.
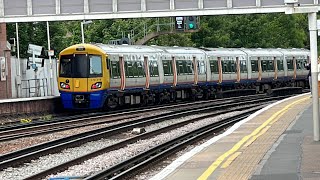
(256, 136)
(276, 119)
(230, 159)
(237, 146)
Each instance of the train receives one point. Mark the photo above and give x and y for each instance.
(102, 76)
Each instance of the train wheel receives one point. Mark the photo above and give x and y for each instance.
(111, 102)
(145, 99)
(174, 96)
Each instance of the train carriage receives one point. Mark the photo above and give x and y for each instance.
(296, 61)
(96, 75)
(82, 78)
(184, 69)
(133, 69)
(232, 63)
(264, 67)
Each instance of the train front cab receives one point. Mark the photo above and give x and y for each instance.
(82, 78)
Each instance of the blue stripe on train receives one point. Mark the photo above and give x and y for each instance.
(96, 99)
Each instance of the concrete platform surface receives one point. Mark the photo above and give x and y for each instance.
(273, 143)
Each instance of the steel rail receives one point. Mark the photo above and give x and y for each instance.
(124, 143)
(18, 157)
(77, 123)
(138, 162)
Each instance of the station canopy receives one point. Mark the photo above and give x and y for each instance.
(59, 10)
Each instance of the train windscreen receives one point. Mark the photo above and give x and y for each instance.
(66, 66)
(80, 66)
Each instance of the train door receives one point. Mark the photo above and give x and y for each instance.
(185, 70)
(220, 79)
(301, 62)
(275, 77)
(290, 66)
(195, 70)
(243, 68)
(254, 65)
(168, 71)
(280, 67)
(80, 72)
(154, 69)
(229, 69)
(214, 69)
(238, 69)
(107, 72)
(202, 70)
(294, 68)
(116, 69)
(267, 67)
(134, 71)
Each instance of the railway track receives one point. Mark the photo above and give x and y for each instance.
(96, 119)
(66, 116)
(130, 167)
(122, 144)
(54, 146)
(18, 157)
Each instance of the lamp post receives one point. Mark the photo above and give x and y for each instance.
(82, 32)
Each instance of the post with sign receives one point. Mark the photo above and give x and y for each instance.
(50, 53)
(34, 50)
(179, 23)
(3, 68)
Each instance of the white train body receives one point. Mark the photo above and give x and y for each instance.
(140, 74)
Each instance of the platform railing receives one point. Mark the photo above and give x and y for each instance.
(35, 87)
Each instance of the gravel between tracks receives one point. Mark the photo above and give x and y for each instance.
(13, 145)
(108, 159)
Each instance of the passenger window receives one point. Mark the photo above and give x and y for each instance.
(214, 66)
(140, 72)
(254, 66)
(134, 69)
(66, 66)
(229, 67)
(129, 69)
(184, 67)
(300, 64)
(271, 65)
(264, 65)
(243, 66)
(153, 68)
(189, 67)
(180, 68)
(95, 67)
(280, 65)
(290, 64)
(201, 67)
(115, 69)
(233, 66)
(167, 67)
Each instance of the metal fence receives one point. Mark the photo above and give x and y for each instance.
(35, 87)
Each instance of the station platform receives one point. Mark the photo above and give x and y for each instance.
(18, 106)
(275, 143)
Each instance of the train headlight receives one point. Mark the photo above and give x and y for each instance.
(96, 85)
(64, 85)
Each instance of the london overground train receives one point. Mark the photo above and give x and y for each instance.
(95, 76)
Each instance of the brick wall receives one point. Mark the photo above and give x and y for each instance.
(5, 86)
